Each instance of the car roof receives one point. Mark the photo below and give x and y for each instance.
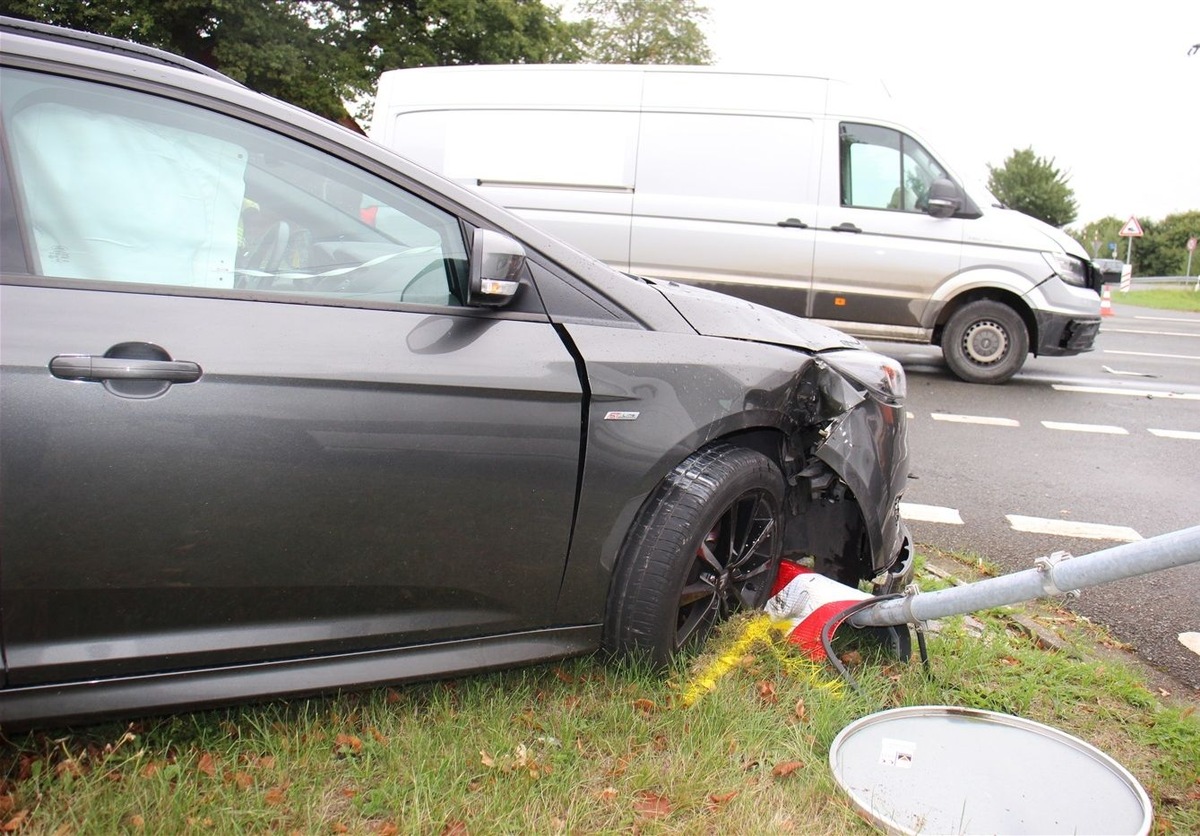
(103, 43)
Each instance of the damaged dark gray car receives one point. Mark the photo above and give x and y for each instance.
(283, 412)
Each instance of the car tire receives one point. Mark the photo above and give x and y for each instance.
(706, 543)
(985, 342)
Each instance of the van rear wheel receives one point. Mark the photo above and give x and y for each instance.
(985, 342)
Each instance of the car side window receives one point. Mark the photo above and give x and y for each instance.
(120, 186)
(883, 168)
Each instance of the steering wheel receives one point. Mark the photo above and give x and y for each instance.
(267, 254)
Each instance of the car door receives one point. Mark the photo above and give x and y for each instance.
(245, 417)
(879, 254)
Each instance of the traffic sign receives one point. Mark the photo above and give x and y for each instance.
(1132, 228)
(1191, 244)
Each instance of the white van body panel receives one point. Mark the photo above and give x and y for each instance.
(768, 186)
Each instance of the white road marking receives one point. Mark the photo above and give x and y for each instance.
(1133, 393)
(1191, 641)
(1185, 434)
(1068, 528)
(930, 513)
(1152, 333)
(1152, 354)
(975, 419)
(1167, 319)
(1085, 428)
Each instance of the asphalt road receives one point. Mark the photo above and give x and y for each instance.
(1086, 451)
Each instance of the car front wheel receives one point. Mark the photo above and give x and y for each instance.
(706, 544)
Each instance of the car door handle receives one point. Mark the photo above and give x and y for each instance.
(846, 227)
(90, 367)
(795, 223)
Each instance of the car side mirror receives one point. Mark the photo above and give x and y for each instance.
(497, 262)
(944, 198)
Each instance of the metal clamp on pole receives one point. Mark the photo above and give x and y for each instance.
(1045, 568)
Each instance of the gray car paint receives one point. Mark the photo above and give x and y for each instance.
(440, 494)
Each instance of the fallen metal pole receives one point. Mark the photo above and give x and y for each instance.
(1051, 576)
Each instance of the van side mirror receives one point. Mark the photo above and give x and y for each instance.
(944, 198)
(497, 262)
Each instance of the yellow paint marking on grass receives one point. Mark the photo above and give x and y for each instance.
(761, 630)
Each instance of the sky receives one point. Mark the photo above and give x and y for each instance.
(1106, 89)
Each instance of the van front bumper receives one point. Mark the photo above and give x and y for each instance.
(1061, 334)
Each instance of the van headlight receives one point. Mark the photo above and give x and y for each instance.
(1069, 268)
(882, 376)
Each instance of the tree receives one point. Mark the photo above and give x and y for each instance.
(1097, 235)
(645, 32)
(1033, 185)
(1162, 251)
(320, 54)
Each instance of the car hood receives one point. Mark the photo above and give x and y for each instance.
(717, 315)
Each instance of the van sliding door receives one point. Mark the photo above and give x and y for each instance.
(727, 202)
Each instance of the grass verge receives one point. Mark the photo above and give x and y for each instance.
(589, 746)
(1167, 299)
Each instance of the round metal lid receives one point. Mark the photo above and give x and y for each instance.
(939, 769)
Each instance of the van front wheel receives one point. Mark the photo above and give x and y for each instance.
(985, 342)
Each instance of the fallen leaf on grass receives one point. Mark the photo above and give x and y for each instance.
(800, 710)
(487, 759)
(651, 805)
(454, 827)
(607, 794)
(275, 796)
(563, 676)
(14, 823)
(243, 780)
(386, 828)
(718, 800)
(347, 744)
(851, 658)
(7, 803)
(392, 696)
(137, 822)
(643, 705)
(207, 764)
(378, 736)
(338, 827)
(782, 770)
(766, 693)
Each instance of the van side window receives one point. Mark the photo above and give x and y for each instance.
(569, 148)
(884, 169)
(761, 158)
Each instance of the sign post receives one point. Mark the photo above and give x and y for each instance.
(1191, 248)
(1131, 230)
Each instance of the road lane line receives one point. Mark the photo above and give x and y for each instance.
(930, 513)
(975, 419)
(1068, 528)
(1133, 393)
(1151, 354)
(1151, 333)
(1168, 319)
(1185, 434)
(1085, 428)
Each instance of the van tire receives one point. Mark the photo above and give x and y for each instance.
(985, 342)
(707, 543)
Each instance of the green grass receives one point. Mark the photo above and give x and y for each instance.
(587, 746)
(1167, 299)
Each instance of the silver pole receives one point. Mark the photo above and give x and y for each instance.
(1051, 576)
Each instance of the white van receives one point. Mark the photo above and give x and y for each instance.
(798, 192)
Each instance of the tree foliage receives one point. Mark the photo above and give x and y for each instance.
(1161, 251)
(321, 53)
(1033, 185)
(645, 32)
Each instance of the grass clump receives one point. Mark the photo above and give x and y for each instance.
(587, 746)
(1167, 299)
